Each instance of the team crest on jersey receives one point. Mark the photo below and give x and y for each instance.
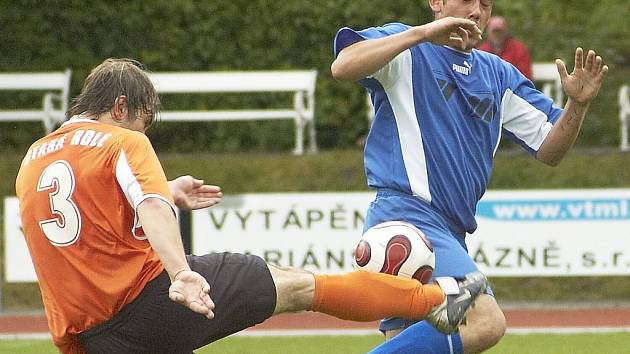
(483, 106)
(462, 69)
(480, 105)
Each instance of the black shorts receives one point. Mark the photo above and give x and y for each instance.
(241, 287)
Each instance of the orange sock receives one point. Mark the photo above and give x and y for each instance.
(365, 296)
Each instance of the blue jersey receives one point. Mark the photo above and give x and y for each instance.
(439, 117)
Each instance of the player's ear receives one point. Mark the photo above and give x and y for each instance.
(436, 6)
(120, 109)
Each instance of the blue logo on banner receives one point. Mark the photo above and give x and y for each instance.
(555, 210)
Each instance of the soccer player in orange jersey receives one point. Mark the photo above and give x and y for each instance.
(99, 221)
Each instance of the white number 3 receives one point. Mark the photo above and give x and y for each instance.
(58, 181)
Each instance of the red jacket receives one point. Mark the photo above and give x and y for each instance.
(516, 53)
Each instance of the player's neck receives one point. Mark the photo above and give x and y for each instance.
(106, 118)
(459, 50)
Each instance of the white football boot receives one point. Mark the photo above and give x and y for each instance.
(447, 316)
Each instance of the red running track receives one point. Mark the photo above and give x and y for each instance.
(516, 318)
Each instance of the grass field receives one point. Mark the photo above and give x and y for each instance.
(608, 343)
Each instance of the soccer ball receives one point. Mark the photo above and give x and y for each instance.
(397, 248)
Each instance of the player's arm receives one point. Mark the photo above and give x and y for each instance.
(162, 230)
(190, 193)
(581, 87)
(364, 58)
(142, 180)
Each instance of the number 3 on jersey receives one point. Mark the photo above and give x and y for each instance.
(58, 181)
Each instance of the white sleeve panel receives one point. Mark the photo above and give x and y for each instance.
(525, 121)
(127, 181)
(390, 73)
(133, 190)
(400, 96)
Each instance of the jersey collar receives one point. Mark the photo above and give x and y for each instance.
(458, 51)
(78, 119)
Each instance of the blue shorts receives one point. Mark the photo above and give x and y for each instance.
(451, 254)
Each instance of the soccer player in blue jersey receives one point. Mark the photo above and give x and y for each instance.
(441, 108)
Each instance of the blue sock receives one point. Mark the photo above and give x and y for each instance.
(421, 337)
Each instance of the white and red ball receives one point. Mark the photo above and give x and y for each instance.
(397, 248)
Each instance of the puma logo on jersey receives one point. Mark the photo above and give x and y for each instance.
(462, 69)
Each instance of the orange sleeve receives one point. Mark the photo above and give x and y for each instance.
(139, 173)
(138, 169)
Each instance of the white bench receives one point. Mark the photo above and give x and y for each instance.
(545, 73)
(57, 88)
(301, 83)
(624, 116)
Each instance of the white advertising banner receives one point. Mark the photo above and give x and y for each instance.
(521, 233)
(553, 233)
(18, 266)
(314, 231)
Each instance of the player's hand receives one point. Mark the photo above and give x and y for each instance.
(190, 193)
(455, 32)
(191, 290)
(583, 84)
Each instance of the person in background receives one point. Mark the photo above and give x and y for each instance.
(500, 42)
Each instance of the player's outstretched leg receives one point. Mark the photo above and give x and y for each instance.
(355, 296)
(368, 296)
(459, 296)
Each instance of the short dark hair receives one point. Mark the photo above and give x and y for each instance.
(111, 79)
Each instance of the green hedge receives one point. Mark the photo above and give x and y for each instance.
(267, 34)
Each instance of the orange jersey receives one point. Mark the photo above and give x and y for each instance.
(78, 188)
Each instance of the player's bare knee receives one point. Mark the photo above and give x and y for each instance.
(498, 327)
(485, 325)
(492, 329)
(295, 288)
(496, 320)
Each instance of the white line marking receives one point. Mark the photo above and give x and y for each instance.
(25, 336)
(568, 330)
